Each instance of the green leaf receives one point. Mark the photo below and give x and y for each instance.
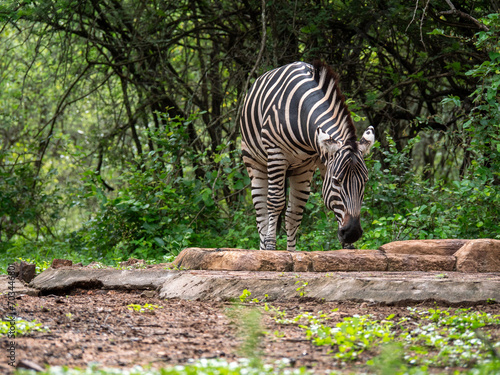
(494, 55)
(159, 241)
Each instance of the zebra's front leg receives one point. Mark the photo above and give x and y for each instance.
(275, 198)
(300, 186)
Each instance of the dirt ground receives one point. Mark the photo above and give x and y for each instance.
(96, 326)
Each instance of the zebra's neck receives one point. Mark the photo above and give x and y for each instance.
(336, 119)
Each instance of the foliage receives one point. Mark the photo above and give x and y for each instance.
(22, 326)
(400, 205)
(428, 339)
(351, 337)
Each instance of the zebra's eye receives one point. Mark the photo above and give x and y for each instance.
(336, 181)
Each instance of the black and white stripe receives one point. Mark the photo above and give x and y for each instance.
(295, 120)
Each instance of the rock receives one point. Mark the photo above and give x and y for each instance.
(27, 272)
(370, 287)
(234, 260)
(406, 262)
(348, 260)
(58, 263)
(30, 365)
(64, 279)
(148, 294)
(482, 255)
(424, 247)
(23, 271)
(18, 287)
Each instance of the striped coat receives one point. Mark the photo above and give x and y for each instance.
(295, 120)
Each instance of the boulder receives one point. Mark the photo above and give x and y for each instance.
(424, 247)
(482, 255)
(407, 262)
(348, 260)
(234, 260)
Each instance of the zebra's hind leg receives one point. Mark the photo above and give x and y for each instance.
(258, 178)
(300, 187)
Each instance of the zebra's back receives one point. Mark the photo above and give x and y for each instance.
(275, 112)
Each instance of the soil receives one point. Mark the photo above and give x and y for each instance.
(96, 326)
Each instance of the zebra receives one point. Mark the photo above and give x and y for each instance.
(295, 120)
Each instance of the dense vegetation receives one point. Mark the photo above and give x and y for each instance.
(118, 120)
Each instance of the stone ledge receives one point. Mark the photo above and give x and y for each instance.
(481, 255)
(19, 287)
(64, 279)
(377, 287)
(380, 287)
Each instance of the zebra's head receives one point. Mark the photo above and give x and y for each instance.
(344, 181)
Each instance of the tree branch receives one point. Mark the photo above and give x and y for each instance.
(463, 15)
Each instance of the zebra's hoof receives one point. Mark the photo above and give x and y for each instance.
(270, 245)
(348, 246)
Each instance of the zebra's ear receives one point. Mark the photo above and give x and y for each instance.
(327, 143)
(367, 140)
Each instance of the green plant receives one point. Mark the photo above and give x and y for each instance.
(22, 327)
(301, 289)
(352, 336)
(244, 297)
(149, 308)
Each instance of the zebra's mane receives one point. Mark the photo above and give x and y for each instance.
(321, 69)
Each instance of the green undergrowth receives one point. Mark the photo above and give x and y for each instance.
(424, 342)
(21, 327)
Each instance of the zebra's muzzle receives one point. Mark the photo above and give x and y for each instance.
(351, 231)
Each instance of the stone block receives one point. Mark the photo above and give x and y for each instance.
(425, 263)
(424, 247)
(348, 261)
(482, 255)
(234, 260)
